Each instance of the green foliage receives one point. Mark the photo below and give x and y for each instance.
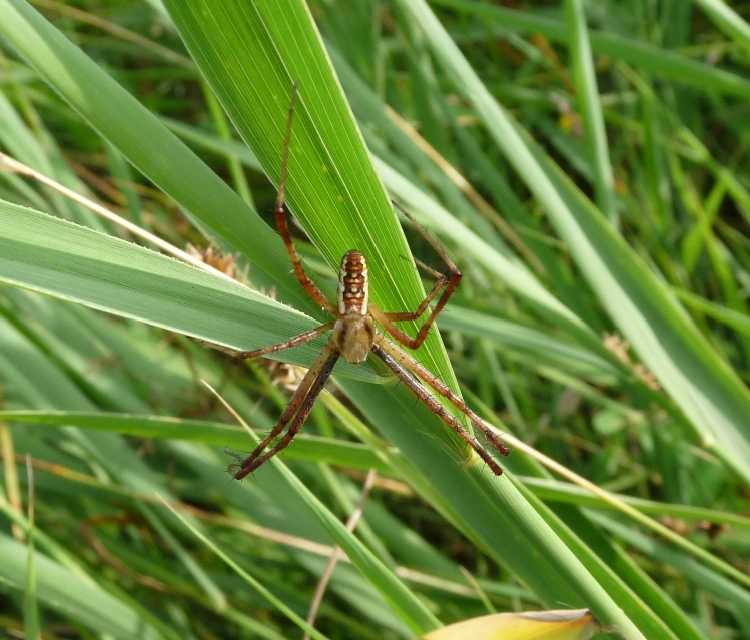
(584, 165)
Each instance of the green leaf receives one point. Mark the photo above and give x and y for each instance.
(306, 447)
(341, 204)
(63, 259)
(251, 52)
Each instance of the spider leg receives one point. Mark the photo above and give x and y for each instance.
(447, 284)
(302, 403)
(415, 367)
(419, 390)
(280, 211)
(294, 404)
(296, 341)
(440, 282)
(427, 268)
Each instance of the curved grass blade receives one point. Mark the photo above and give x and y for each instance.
(554, 573)
(217, 434)
(251, 54)
(72, 262)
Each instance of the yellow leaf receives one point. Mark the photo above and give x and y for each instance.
(563, 624)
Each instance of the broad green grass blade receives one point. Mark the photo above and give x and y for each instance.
(88, 247)
(251, 55)
(483, 505)
(332, 188)
(71, 262)
(435, 217)
(709, 393)
(525, 332)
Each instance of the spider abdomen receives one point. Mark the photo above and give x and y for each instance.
(352, 291)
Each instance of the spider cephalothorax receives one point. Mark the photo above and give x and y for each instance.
(355, 336)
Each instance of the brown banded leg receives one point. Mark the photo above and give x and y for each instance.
(298, 398)
(385, 319)
(296, 341)
(440, 282)
(281, 222)
(447, 284)
(418, 369)
(322, 373)
(419, 390)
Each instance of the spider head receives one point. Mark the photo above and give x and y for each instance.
(353, 334)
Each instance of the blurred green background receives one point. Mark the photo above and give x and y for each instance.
(585, 165)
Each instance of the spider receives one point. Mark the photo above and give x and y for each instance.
(355, 336)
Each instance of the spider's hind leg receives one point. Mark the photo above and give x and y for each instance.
(418, 389)
(413, 366)
(303, 410)
(297, 411)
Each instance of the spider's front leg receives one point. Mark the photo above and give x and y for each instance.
(296, 341)
(306, 281)
(447, 284)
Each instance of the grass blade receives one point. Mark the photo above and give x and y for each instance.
(588, 100)
(341, 204)
(217, 434)
(120, 277)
